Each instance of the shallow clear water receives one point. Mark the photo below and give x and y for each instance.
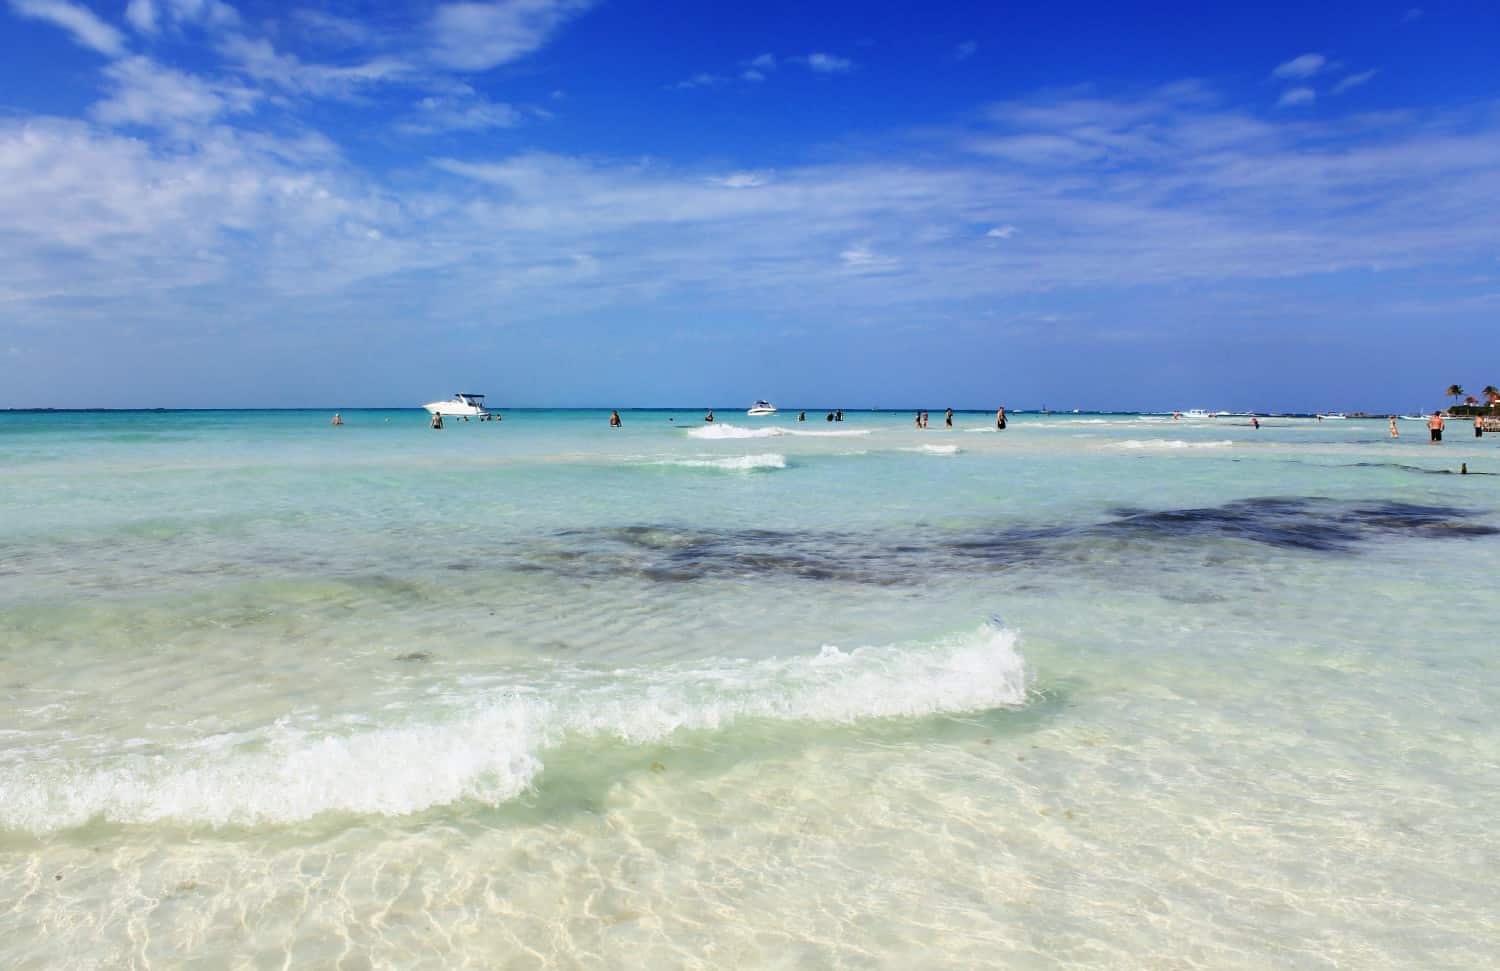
(1109, 692)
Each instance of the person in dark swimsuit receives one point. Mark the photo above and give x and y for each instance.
(614, 420)
(1435, 427)
(948, 418)
(1000, 420)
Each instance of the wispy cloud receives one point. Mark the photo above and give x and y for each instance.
(459, 109)
(257, 58)
(479, 36)
(760, 67)
(965, 50)
(1297, 68)
(1412, 14)
(1002, 232)
(86, 28)
(1296, 96)
(820, 63)
(700, 80)
(143, 92)
(1353, 81)
(149, 16)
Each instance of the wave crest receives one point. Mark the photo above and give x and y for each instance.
(739, 463)
(492, 751)
(1166, 443)
(721, 430)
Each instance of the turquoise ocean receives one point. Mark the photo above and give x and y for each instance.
(1094, 691)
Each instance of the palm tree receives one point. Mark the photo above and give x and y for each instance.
(1491, 394)
(1455, 392)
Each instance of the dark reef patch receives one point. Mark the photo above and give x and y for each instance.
(672, 554)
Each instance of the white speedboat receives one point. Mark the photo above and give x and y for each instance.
(1196, 413)
(1334, 416)
(762, 407)
(461, 405)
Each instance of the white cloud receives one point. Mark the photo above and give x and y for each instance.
(149, 16)
(260, 60)
(1304, 66)
(479, 36)
(145, 93)
(1353, 81)
(1043, 148)
(462, 109)
(821, 63)
(1195, 192)
(763, 62)
(142, 15)
(331, 30)
(752, 74)
(965, 50)
(1412, 14)
(87, 29)
(700, 80)
(1297, 96)
(860, 257)
(742, 180)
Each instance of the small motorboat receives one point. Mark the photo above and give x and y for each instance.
(761, 407)
(1334, 416)
(461, 405)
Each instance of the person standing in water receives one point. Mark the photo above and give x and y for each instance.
(802, 416)
(1394, 432)
(709, 416)
(1435, 428)
(1000, 420)
(948, 418)
(919, 419)
(614, 420)
(1255, 423)
(1478, 426)
(437, 420)
(337, 419)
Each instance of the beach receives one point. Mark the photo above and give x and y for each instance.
(1094, 691)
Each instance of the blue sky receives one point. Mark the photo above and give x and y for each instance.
(564, 202)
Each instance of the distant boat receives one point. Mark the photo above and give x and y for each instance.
(1196, 413)
(762, 407)
(1334, 416)
(461, 405)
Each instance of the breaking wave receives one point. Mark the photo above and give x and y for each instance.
(492, 749)
(739, 463)
(1166, 443)
(726, 430)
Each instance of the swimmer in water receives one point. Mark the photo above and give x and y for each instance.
(1435, 428)
(948, 418)
(1000, 420)
(709, 416)
(437, 420)
(614, 420)
(337, 419)
(802, 416)
(1394, 432)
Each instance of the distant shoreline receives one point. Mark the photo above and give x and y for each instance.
(727, 410)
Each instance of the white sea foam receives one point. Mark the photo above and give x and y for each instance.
(1166, 443)
(935, 449)
(739, 463)
(726, 430)
(490, 749)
